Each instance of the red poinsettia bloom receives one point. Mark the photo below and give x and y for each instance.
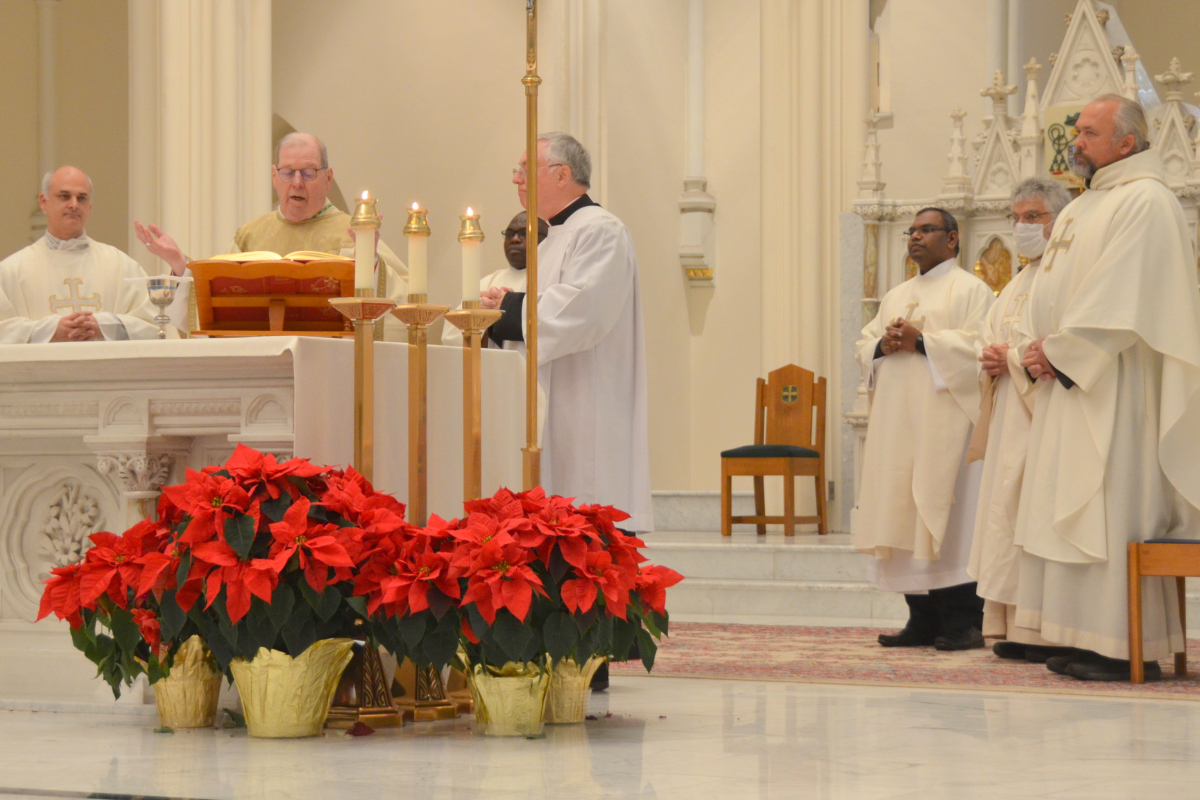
(240, 578)
(209, 500)
(317, 546)
(110, 567)
(148, 624)
(158, 571)
(61, 595)
(558, 524)
(652, 583)
(604, 518)
(603, 575)
(256, 470)
(473, 534)
(406, 589)
(500, 577)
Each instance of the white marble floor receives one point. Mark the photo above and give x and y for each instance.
(665, 738)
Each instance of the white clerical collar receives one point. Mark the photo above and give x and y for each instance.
(938, 271)
(81, 242)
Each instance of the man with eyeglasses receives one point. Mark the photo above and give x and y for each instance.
(511, 278)
(1001, 436)
(917, 497)
(304, 220)
(1114, 324)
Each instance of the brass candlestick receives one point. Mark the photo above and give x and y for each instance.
(473, 320)
(363, 310)
(424, 695)
(532, 455)
(418, 315)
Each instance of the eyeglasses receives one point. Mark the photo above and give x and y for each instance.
(924, 230)
(1029, 217)
(307, 175)
(519, 172)
(510, 233)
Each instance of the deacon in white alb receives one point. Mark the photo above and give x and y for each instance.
(511, 278)
(67, 287)
(1003, 428)
(917, 497)
(591, 352)
(1114, 319)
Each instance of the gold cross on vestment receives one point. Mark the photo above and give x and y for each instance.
(1007, 323)
(919, 324)
(74, 300)
(1061, 243)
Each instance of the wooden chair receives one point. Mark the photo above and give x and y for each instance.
(271, 298)
(786, 443)
(1167, 558)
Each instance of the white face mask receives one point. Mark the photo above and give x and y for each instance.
(1031, 241)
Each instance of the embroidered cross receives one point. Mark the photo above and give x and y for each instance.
(1007, 323)
(919, 324)
(791, 394)
(1061, 243)
(74, 300)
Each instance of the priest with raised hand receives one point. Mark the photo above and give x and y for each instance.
(67, 287)
(917, 498)
(1114, 324)
(1001, 436)
(591, 349)
(305, 220)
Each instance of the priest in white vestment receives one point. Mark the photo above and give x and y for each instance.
(304, 220)
(1001, 436)
(67, 287)
(591, 352)
(917, 497)
(1114, 323)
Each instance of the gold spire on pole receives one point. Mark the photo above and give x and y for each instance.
(532, 454)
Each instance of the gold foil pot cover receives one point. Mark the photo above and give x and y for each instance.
(570, 688)
(510, 701)
(187, 698)
(288, 698)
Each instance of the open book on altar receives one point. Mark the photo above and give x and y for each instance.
(300, 256)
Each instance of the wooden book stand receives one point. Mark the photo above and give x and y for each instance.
(271, 298)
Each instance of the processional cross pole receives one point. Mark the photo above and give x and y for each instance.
(532, 461)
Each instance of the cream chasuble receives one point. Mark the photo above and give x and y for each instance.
(592, 366)
(916, 499)
(39, 285)
(994, 556)
(1111, 460)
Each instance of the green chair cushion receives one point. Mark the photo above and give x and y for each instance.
(770, 451)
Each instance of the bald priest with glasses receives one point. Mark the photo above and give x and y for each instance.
(917, 496)
(304, 220)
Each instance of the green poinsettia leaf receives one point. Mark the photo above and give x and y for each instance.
(171, 618)
(283, 601)
(239, 534)
(560, 635)
(624, 635)
(125, 630)
(441, 643)
(512, 635)
(412, 628)
(331, 601)
(647, 649)
(358, 605)
(275, 509)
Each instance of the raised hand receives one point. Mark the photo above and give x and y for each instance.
(161, 245)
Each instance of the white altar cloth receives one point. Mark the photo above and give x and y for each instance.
(88, 431)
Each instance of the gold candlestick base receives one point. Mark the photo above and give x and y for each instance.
(363, 310)
(473, 321)
(362, 695)
(418, 316)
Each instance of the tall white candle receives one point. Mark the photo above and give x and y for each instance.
(472, 246)
(417, 231)
(364, 255)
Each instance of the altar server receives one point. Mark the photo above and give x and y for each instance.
(512, 277)
(1003, 428)
(305, 220)
(1114, 320)
(917, 498)
(591, 351)
(67, 287)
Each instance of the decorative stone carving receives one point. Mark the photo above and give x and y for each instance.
(73, 516)
(138, 472)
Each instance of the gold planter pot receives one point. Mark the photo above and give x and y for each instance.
(570, 688)
(510, 701)
(289, 698)
(187, 698)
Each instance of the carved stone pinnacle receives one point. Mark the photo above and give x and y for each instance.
(1032, 69)
(998, 91)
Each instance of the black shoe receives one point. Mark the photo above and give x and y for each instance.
(1059, 664)
(968, 639)
(1110, 669)
(1013, 650)
(1037, 654)
(600, 678)
(907, 638)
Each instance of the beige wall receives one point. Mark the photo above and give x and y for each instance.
(1162, 29)
(18, 123)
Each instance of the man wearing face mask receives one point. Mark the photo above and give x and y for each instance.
(1007, 397)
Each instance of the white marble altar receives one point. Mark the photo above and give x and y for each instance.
(90, 432)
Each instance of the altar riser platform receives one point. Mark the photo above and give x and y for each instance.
(809, 580)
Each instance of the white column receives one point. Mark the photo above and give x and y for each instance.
(199, 119)
(696, 205)
(997, 53)
(47, 107)
(1014, 45)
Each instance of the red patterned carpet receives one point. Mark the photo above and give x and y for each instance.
(852, 656)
